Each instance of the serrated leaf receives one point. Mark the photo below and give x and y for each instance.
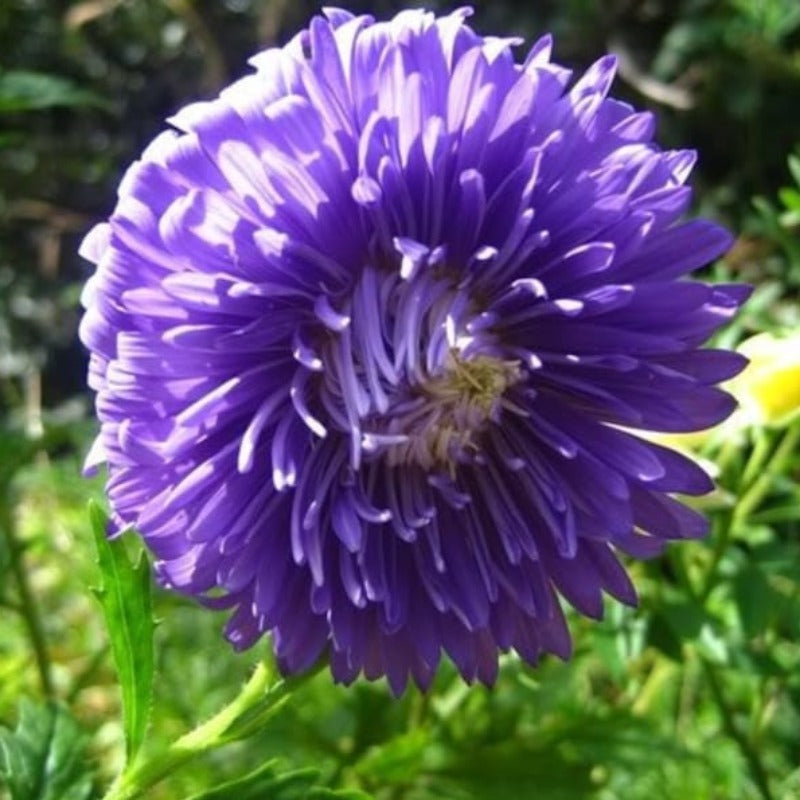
(23, 90)
(43, 759)
(126, 599)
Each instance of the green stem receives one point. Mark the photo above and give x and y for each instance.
(756, 492)
(757, 769)
(758, 456)
(259, 697)
(745, 745)
(28, 606)
(758, 478)
(721, 528)
(752, 496)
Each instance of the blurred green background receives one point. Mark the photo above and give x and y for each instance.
(695, 695)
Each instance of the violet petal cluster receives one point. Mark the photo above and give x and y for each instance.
(371, 334)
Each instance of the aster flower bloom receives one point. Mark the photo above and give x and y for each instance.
(370, 333)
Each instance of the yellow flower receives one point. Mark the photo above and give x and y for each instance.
(768, 390)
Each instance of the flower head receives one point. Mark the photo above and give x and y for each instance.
(369, 333)
(769, 389)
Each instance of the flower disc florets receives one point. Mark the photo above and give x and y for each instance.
(370, 332)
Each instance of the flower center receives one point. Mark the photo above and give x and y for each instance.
(408, 370)
(439, 425)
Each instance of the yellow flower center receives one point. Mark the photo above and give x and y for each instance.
(452, 408)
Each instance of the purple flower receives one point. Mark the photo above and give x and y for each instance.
(369, 334)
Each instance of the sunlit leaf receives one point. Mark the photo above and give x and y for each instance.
(125, 595)
(712, 646)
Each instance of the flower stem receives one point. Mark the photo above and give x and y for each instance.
(758, 457)
(753, 492)
(28, 607)
(757, 480)
(260, 697)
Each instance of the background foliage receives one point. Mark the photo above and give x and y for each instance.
(694, 695)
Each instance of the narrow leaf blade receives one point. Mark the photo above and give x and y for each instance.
(125, 596)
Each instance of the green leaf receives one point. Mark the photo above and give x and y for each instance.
(755, 600)
(269, 782)
(338, 794)
(43, 759)
(17, 449)
(790, 198)
(673, 624)
(394, 761)
(126, 598)
(5, 560)
(509, 771)
(794, 168)
(22, 90)
(712, 646)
